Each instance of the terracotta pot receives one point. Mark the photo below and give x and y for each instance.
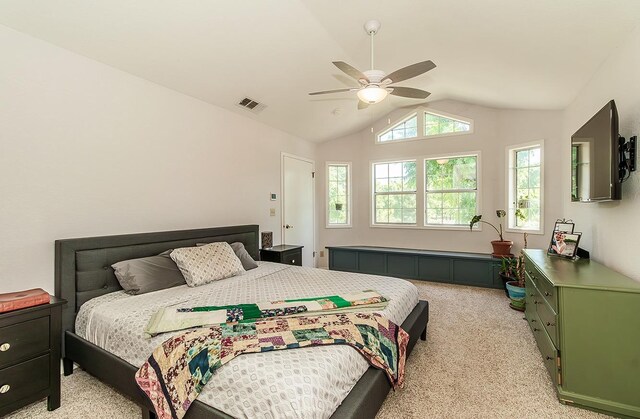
(501, 248)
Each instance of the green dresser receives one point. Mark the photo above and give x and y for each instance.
(586, 321)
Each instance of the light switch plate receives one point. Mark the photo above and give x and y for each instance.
(272, 212)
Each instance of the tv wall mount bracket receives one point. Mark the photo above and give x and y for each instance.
(627, 151)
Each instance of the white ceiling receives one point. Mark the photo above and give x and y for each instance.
(503, 53)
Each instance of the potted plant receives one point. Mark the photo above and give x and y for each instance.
(516, 288)
(501, 247)
(508, 272)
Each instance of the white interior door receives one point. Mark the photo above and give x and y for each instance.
(298, 205)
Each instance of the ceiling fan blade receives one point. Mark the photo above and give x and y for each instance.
(410, 71)
(350, 71)
(409, 92)
(324, 92)
(362, 105)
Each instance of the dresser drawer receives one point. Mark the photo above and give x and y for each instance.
(549, 320)
(549, 354)
(24, 340)
(24, 379)
(293, 257)
(532, 295)
(547, 290)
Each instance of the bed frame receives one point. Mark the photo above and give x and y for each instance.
(83, 271)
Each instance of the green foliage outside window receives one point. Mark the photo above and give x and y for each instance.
(451, 190)
(395, 192)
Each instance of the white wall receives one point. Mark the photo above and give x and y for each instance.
(494, 130)
(610, 230)
(87, 150)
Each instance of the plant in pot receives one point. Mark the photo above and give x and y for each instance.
(501, 247)
(508, 268)
(515, 288)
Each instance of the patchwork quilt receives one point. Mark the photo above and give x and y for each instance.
(179, 318)
(177, 371)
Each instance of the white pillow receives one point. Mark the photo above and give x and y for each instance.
(204, 264)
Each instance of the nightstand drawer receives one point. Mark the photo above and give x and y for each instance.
(24, 379)
(293, 257)
(21, 341)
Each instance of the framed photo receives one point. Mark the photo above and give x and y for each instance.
(564, 244)
(566, 226)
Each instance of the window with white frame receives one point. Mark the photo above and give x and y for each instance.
(435, 124)
(424, 123)
(525, 187)
(339, 194)
(451, 190)
(407, 128)
(394, 192)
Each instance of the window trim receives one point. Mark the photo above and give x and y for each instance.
(420, 112)
(349, 223)
(391, 127)
(475, 154)
(510, 151)
(420, 196)
(372, 193)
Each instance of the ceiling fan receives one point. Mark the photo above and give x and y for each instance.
(375, 85)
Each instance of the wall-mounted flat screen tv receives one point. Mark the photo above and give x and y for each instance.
(594, 158)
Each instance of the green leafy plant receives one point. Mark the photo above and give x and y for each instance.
(478, 219)
(509, 267)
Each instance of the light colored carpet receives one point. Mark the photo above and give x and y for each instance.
(480, 361)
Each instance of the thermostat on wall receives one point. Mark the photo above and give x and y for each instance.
(274, 197)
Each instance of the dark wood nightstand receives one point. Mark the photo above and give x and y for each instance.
(284, 253)
(30, 356)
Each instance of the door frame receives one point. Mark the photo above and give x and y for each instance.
(313, 198)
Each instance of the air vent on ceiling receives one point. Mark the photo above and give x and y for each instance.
(251, 105)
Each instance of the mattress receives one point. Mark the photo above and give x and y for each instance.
(298, 383)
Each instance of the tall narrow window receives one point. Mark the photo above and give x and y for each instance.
(525, 188)
(394, 197)
(338, 194)
(451, 190)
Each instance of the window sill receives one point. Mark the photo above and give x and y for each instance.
(522, 230)
(427, 227)
(338, 226)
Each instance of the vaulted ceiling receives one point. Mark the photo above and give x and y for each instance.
(503, 53)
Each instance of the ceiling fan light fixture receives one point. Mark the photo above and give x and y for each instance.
(372, 94)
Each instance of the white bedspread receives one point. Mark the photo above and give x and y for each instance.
(300, 383)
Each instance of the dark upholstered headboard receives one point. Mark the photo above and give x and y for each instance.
(83, 266)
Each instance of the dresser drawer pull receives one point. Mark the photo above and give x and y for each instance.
(550, 324)
(293, 261)
(549, 358)
(536, 330)
(533, 320)
(531, 295)
(5, 347)
(548, 294)
(5, 388)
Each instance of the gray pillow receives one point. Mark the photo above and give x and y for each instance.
(238, 248)
(244, 256)
(143, 275)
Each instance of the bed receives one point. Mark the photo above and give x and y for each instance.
(102, 328)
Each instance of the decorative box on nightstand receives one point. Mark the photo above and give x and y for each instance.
(30, 356)
(284, 253)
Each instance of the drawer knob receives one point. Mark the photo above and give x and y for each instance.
(293, 261)
(550, 324)
(548, 294)
(549, 358)
(5, 388)
(533, 320)
(531, 295)
(536, 330)
(5, 347)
